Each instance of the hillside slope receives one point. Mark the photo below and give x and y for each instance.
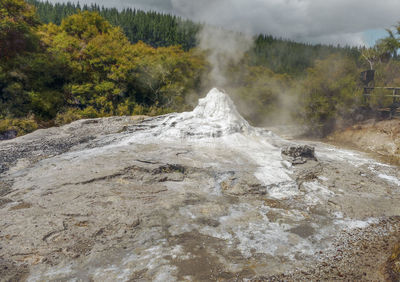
(380, 137)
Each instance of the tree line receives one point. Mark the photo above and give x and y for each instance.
(153, 28)
(163, 30)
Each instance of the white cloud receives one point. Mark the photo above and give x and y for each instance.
(325, 21)
(314, 21)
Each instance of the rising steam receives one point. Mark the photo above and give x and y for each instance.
(223, 48)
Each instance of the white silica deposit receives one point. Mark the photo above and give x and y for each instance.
(215, 116)
(217, 128)
(217, 111)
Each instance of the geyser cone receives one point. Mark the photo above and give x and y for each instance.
(217, 107)
(215, 116)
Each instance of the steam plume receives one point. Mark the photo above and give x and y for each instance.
(223, 48)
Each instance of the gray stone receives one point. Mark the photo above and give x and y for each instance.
(299, 154)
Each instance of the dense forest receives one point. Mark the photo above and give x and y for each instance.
(155, 29)
(162, 30)
(63, 62)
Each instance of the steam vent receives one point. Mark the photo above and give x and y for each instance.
(191, 196)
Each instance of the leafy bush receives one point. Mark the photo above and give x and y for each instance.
(21, 126)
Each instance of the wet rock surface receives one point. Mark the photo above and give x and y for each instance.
(145, 201)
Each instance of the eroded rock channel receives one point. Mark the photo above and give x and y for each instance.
(194, 196)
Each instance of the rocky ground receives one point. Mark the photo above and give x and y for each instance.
(192, 197)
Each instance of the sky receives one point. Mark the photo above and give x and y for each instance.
(344, 22)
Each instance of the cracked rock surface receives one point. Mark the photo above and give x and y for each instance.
(195, 196)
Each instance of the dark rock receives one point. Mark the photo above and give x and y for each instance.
(8, 134)
(209, 222)
(5, 188)
(4, 201)
(303, 230)
(299, 154)
(90, 121)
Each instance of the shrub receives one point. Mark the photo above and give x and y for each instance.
(20, 125)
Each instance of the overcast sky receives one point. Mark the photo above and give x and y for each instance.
(354, 22)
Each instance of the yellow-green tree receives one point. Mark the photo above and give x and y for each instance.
(17, 23)
(112, 76)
